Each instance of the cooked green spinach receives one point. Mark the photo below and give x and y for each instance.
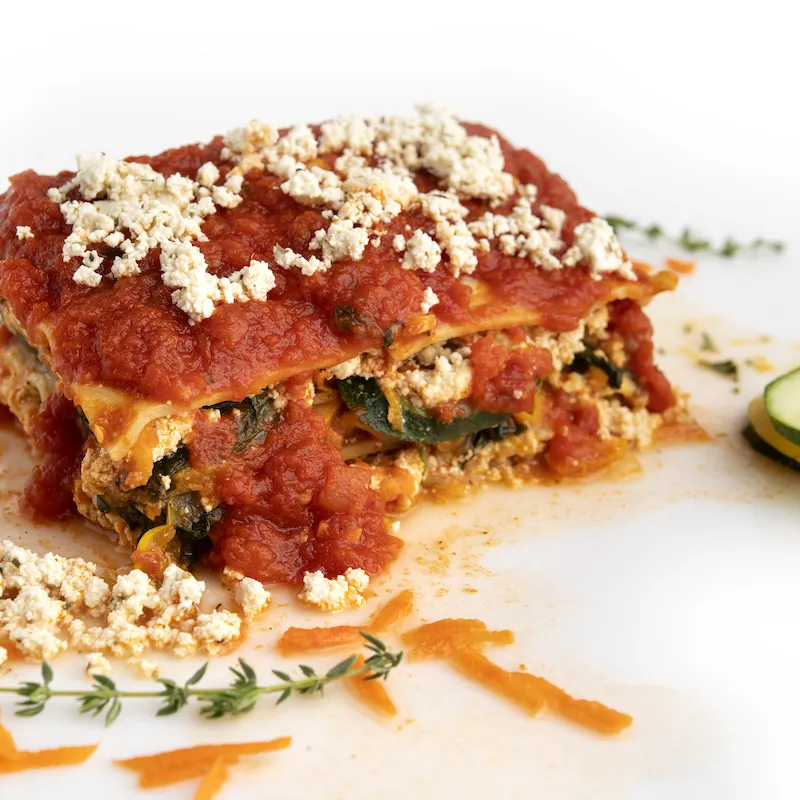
(365, 396)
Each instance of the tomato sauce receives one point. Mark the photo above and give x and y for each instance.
(57, 435)
(503, 379)
(292, 504)
(127, 333)
(629, 320)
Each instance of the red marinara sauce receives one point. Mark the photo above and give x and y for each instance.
(292, 503)
(628, 319)
(58, 436)
(127, 333)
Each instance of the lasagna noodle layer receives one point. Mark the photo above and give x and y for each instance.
(118, 420)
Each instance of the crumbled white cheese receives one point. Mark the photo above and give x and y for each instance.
(135, 209)
(346, 369)
(429, 300)
(214, 631)
(597, 245)
(288, 259)
(314, 187)
(342, 241)
(334, 594)
(252, 597)
(347, 133)
(3, 656)
(24, 232)
(616, 420)
(399, 243)
(450, 380)
(198, 292)
(97, 664)
(208, 175)
(422, 253)
(40, 597)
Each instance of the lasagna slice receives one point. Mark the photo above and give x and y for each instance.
(256, 351)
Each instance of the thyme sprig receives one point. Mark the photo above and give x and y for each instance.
(692, 243)
(241, 697)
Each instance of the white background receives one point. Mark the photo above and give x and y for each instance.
(684, 113)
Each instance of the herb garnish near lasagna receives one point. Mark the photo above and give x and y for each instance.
(256, 351)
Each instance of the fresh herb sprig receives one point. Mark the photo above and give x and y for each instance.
(696, 244)
(241, 697)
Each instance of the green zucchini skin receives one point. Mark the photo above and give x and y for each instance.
(782, 403)
(767, 450)
(365, 396)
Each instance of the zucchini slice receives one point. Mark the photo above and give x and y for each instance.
(365, 396)
(763, 437)
(782, 401)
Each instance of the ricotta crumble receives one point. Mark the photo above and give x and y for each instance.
(132, 209)
(334, 594)
(46, 603)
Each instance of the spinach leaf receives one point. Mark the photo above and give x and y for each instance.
(594, 358)
(167, 466)
(347, 317)
(365, 396)
(508, 427)
(254, 412)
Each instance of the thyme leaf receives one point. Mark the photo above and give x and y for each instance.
(240, 697)
(693, 243)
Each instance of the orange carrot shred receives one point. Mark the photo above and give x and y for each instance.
(399, 606)
(213, 781)
(642, 266)
(446, 636)
(588, 713)
(372, 693)
(8, 748)
(680, 266)
(41, 759)
(201, 754)
(304, 640)
(480, 669)
(158, 778)
(530, 692)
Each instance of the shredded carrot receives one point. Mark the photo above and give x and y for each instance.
(399, 606)
(213, 781)
(174, 761)
(305, 640)
(680, 266)
(8, 748)
(372, 693)
(642, 266)
(160, 777)
(446, 636)
(41, 759)
(588, 713)
(480, 669)
(530, 692)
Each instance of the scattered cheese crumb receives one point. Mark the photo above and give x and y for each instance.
(429, 300)
(97, 664)
(334, 594)
(252, 597)
(40, 597)
(597, 244)
(24, 232)
(3, 656)
(422, 253)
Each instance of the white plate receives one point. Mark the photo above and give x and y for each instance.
(673, 595)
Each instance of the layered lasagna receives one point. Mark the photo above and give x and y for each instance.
(258, 351)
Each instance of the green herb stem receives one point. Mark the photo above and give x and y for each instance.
(692, 243)
(239, 698)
